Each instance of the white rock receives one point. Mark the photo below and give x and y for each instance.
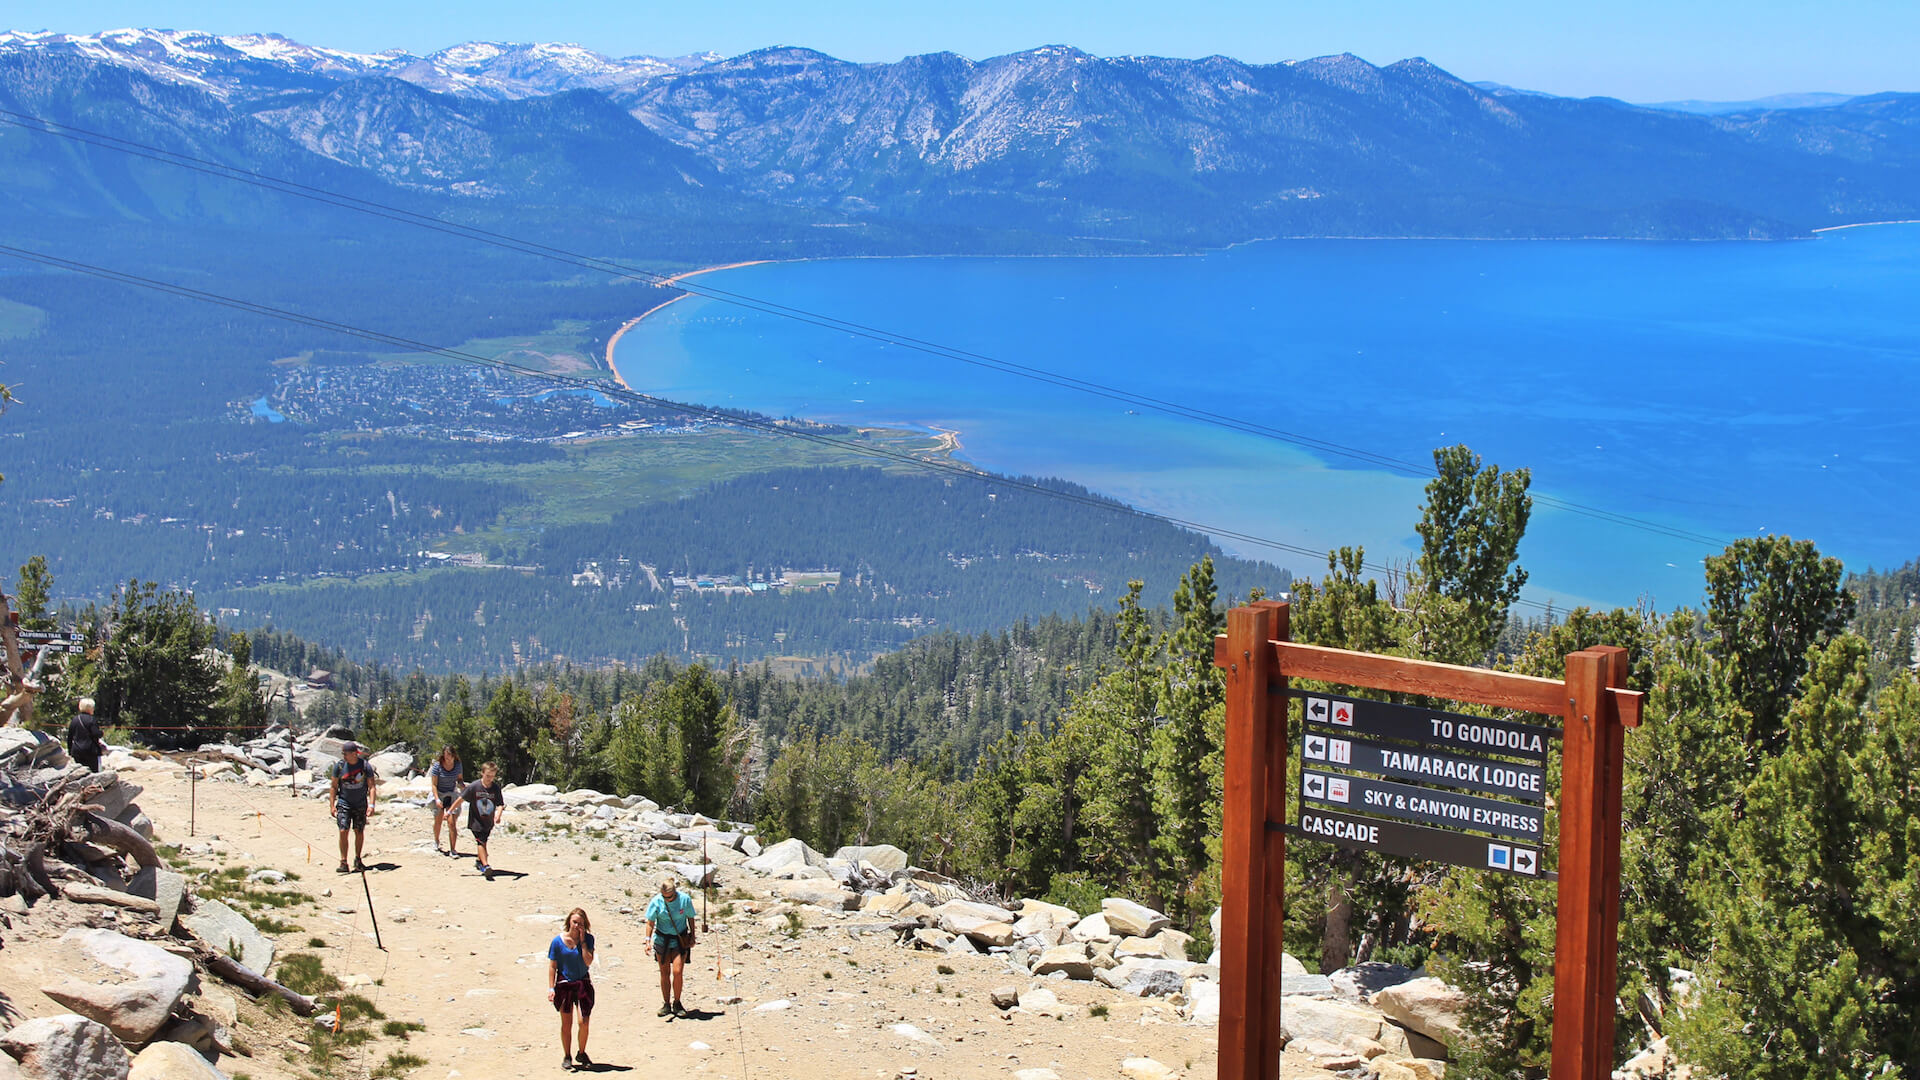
(1055, 914)
(172, 1061)
(67, 1047)
(391, 764)
(222, 927)
(1145, 1068)
(698, 1047)
(884, 856)
(1203, 1002)
(1092, 928)
(132, 986)
(1334, 1021)
(1168, 944)
(1427, 1006)
(527, 794)
(908, 1031)
(1035, 1074)
(824, 894)
(1071, 959)
(1128, 919)
(773, 1006)
(786, 854)
(400, 914)
(1042, 1002)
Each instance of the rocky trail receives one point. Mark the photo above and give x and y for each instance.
(886, 971)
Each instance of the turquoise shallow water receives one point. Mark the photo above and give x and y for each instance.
(1724, 389)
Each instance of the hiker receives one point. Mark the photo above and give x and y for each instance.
(351, 797)
(569, 986)
(84, 736)
(485, 803)
(445, 773)
(669, 933)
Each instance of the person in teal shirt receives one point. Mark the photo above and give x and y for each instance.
(669, 930)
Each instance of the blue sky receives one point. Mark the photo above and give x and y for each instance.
(1640, 50)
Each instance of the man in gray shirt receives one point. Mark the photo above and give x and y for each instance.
(352, 794)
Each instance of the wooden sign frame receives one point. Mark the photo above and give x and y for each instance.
(1595, 710)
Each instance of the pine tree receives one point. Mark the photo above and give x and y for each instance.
(1119, 844)
(1470, 530)
(1191, 688)
(1814, 968)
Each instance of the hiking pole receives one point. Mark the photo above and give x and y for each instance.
(375, 919)
(193, 792)
(706, 885)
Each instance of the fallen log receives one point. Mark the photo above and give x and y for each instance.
(121, 838)
(243, 976)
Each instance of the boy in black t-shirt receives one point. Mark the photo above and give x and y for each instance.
(485, 804)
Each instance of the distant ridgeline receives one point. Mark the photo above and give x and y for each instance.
(1047, 149)
(844, 562)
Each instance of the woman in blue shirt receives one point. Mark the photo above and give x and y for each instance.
(569, 987)
(669, 930)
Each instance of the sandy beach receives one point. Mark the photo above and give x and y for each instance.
(613, 342)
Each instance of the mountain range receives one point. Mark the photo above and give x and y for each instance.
(1052, 147)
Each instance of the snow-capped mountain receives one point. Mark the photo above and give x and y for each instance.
(249, 66)
(1050, 141)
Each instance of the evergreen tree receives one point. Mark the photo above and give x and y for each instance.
(242, 705)
(33, 596)
(1191, 689)
(1814, 966)
(1118, 845)
(1769, 600)
(1470, 529)
(153, 674)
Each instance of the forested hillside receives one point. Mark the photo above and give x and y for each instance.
(874, 559)
(1768, 810)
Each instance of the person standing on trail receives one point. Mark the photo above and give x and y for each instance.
(669, 933)
(485, 804)
(569, 986)
(351, 797)
(84, 737)
(445, 773)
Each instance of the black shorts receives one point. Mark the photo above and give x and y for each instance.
(666, 947)
(349, 816)
(480, 830)
(89, 758)
(567, 995)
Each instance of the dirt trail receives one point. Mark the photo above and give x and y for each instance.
(469, 963)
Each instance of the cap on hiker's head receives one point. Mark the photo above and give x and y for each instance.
(353, 746)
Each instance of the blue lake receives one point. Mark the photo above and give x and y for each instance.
(1716, 389)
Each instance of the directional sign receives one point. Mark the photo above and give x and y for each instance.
(1442, 730)
(1418, 842)
(53, 641)
(1435, 766)
(1431, 805)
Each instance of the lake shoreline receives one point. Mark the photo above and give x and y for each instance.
(613, 342)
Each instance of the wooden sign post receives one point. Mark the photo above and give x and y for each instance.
(1595, 712)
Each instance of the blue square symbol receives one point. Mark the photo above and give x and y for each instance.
(1499, 857)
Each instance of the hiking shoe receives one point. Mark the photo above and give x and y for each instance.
(566, 1064)
(580, 1060)
(665, 1010)
(679, 1010)
(342, 868)
(359, 867)
(478, 865)
(487, 872)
